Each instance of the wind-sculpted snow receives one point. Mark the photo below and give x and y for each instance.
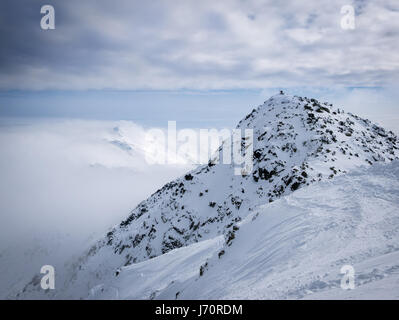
(293, 248)
(297, 142)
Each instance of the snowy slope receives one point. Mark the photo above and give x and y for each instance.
(151, 276)
(292, 248)
(297, 142)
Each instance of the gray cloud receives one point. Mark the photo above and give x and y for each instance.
(71, 175)
(197, 44)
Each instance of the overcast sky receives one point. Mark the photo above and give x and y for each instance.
(197, 44)
(149, 60)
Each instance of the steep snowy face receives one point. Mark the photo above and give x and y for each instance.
(293, 248)
(297, 141)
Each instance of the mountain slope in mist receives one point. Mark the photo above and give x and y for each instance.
(297, 142)
(293, 248)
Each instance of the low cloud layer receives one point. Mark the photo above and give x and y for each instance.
(63, 185)
(74, 176)
(198, 44)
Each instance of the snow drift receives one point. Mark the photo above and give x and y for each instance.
(293, 248)
(299, 143)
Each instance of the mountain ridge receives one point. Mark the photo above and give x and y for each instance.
(271, 160)
(293, 248)
(297, 141)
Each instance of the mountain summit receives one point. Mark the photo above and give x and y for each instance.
(297, 141)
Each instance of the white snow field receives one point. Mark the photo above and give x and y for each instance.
(293, 248)
(322, 194)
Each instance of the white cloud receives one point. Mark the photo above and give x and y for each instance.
(65, 172)
(210, 45)
(64, 183)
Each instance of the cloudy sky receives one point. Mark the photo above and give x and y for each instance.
(147, 61)
(179, 44)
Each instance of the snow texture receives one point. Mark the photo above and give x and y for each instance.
(311, 204)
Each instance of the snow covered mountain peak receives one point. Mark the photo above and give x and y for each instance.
(297, 141)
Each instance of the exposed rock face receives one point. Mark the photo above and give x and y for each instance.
(297, 141)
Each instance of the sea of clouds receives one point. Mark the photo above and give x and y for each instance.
(63, 184)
